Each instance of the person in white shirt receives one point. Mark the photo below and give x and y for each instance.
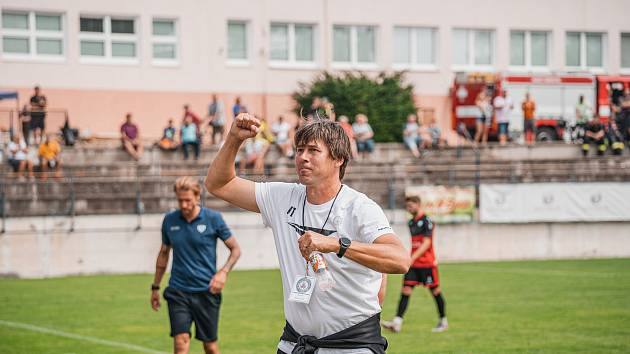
(18, 156)
(503, 105)
(281, 130)
(318, 221)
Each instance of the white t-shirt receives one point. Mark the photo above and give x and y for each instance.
(502, 108)
(281, 131)
(354, 297)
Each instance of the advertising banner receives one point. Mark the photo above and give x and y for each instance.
(446, 204)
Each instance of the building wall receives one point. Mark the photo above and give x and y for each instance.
(97, 95)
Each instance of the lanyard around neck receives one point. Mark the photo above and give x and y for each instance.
(321, 230)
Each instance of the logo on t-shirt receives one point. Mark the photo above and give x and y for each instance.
(201, 228)
(302, 229)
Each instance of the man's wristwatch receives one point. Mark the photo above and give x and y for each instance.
(344, 243)
(155, 287)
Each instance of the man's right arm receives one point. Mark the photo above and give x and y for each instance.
(160, 268)
(221, 179)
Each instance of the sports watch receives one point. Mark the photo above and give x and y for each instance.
(344, 243)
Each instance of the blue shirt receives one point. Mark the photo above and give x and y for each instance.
(194, 248)
(189, 133)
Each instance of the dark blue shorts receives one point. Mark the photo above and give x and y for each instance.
(184, 308)
(503, 128)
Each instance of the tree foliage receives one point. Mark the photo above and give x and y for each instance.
(384, 99)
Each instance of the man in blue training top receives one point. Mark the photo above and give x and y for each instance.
(194, 289)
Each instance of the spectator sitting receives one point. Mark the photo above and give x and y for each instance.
(255, 152)
(363, 134)
(281, 131)
(344, 121)
(18, 158)
(328, 108)
(189, 137)
(50, 156)
(594, 134)
(435, 133)
(265, 131)
(623, 121)
(411, 135)
(130, 137)
(168, 141)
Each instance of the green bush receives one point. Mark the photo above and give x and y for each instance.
(385, 100)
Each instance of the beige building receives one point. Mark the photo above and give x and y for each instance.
(99, 60)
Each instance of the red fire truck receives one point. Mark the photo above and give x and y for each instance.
(555, 95)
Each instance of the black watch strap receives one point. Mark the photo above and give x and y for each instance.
(344, 243)
(155, 287)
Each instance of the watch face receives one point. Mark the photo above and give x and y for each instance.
(344, 241)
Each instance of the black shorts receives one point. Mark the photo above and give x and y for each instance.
(184, 308)
(425, 276)
(38, 120)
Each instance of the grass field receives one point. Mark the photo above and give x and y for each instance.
(507, 307)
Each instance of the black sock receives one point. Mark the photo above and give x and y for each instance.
(402, 305)
(441, 304)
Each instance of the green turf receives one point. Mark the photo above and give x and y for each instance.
(507, 307)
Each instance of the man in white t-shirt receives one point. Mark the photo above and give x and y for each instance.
(322, 216)
(503, 105)
(281, 130)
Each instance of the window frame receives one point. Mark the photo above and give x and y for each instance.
(470, 56)
(413, 65)
(528, 66)
(623, 69)
(583, 67)
(108, 38)
(166, 39)
(237, 62)
(354, 49)
(32, 34)
(292, 62)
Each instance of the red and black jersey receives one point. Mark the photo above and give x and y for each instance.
(420, 227)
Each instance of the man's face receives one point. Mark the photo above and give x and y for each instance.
(187, 201)
(313, 163)
(412, 208)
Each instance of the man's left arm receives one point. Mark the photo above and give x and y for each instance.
(385, 255)
(219, 279)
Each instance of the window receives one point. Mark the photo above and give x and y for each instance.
(473, 48)
(354, 45)
(414, 47)
(237, 41)
(625, 50)
(109, 38)
(584, 50)
(529, 49)
(291, 43)
(32, 35)
(164, 41)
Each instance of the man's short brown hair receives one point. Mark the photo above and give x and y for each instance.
(184, 184)
(413, 199)
(330, 134)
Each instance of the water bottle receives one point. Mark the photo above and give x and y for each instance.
(325, 280)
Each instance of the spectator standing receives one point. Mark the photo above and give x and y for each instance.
(583, 111)
(529, 115)
(364, 135)
(25, 123)
(189, 137)
(216, 118)
(130, 137)
(411, 135)
(344, 122)
(18, 156)
(485, 119)
(50, 156)
(38, 114)
(281, 131)
(503, 105)
(238, 107)
(195, 285)
(168, 141)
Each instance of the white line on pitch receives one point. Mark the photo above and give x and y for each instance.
(55, 332)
